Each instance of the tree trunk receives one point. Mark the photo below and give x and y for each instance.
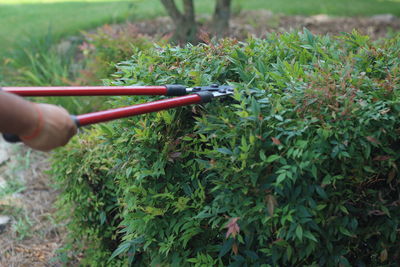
(221, 18)
(185, 24)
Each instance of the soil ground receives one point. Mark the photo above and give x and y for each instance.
(32, 237)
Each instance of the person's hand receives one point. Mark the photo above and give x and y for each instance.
(54, 128)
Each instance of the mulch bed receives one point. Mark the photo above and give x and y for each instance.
(260, 23)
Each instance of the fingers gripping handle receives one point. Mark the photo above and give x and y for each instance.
(13, 138)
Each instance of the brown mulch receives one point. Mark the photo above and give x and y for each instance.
(261, 22)
(39, 237)
(264, 22)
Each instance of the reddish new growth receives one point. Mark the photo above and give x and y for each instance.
(276, 141)
(233, 227)
(324, 91)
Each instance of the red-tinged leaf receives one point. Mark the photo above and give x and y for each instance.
(376, 212)
(382, 158)
(195, 110)
(384, 255)
(233, 227)
(271, 204)
(383, 112)
(177, 141)
(205, 37)
(276, 141)
(175, 155)
(391, 176)
(277, 240)
(372, 140)
(235, 248)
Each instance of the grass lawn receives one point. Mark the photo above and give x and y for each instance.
(21, 18)
(299, 7)
(30, 18)
(331, 7)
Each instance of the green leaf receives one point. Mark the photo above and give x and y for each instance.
(224, 150)
(314, 171)
(251, 254)
(343, 208)
(321, 192)
(272, 158)
(299, 232)
(345, 231)
(125, 246)
(281, 177)
(103, 217)
(226, 247)
(203, 215)
(262, 156)
(106, 129)
(129, 171)
(289, 252)
(310, 236)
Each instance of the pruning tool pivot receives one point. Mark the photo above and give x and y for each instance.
(215, 89)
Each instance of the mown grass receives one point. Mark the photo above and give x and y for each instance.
(34, 17)
(63, 18)
(331, 7)
(299, 7)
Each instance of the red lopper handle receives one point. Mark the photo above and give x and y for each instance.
(112, 114)
(170, 90)
(86, 90)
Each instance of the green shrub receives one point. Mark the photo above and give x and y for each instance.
(300, 168)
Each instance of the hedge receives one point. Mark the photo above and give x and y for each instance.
(298, 168)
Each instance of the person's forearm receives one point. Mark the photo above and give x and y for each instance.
(17, 116)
